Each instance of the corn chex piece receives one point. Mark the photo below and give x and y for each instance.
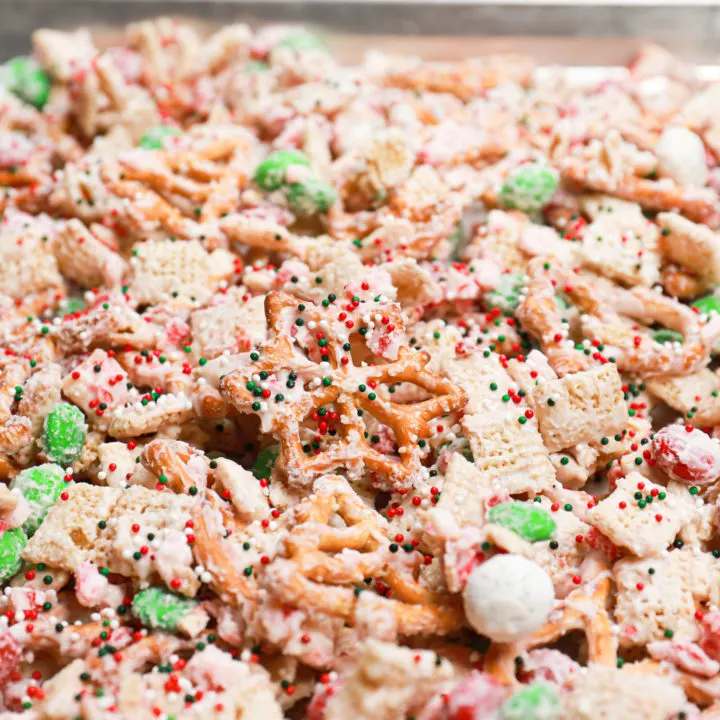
(691, 395)
(70, 530)
(234, 326)
(532, 373)
(659, 593)
(626, 215)
(621, 254)
(495, 441)
(139, 419)
(85, 260)
(494, 428)
(168, 555)
(104, 325)
(465, 491)
(387, 682)
(41, 393)
(691, 245)
(562, 561)
(164, 270)
(117, 467)
(645, 527)
(700, 526)
(245, 492)
(97, 379)
(580, 407)
(499, 240)
(606, 693)
(620, 242)
(28, 264)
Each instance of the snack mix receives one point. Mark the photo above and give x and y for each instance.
(381, 392)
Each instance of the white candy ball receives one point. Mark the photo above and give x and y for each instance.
(681, 154)
(508, 597)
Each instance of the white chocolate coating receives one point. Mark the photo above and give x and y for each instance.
(681, 154)
(508, 597)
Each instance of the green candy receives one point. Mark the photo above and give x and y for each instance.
(157, 607)
(665, 335)
(506, 296)
(708, 304)
(265, 462)
(70, 305)
(154, 138)
(529, 187)
(533, 702)
(528, 520)
(25, 79)
(302, 40)
(41, 487)
(64, 433)
(256, 66)
(270, 173)
(12, 543)
(310, 197)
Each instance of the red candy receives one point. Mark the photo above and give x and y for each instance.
(689, 457)
(323, 693)
(686, 655)
(476, 697)
(10, 656)
(710, 640)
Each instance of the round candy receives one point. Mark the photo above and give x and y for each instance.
(708, 304)
(310, 197)
(538, 701)
(41, 487)
(24, 78)
(270, 173)
(529, 187)
(667, 336)
(506, 296)
(265, 462)
(478, 696)
(528, 520)
(302, 40)
(154, 138)
(64, 433)
(157, 607)
(12, 543)
(508, 598)
(688, 457)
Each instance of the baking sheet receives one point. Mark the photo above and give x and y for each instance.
(597, 34)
